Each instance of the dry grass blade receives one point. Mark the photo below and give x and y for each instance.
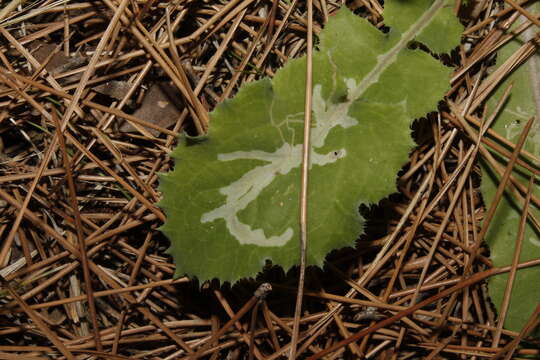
(306, 149)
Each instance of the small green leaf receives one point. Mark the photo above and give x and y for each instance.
(232, 201)
(524, 102)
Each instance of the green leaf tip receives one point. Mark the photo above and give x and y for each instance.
(232, 202)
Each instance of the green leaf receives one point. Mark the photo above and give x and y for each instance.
(232, 201)
(524, 102)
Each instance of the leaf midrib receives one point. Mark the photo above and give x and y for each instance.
(389, 57)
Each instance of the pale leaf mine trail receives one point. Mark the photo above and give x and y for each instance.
(240, 193)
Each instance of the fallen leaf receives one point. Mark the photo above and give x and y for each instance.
(158, 107)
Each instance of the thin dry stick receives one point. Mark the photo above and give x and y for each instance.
(132, 277)
(524, 12)
(269, 325)
(272, 17)
(304, 182)
(531, 324)
(9, 8)
(66, 31)
(80, 235)
(252, 326)
(511, 277)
